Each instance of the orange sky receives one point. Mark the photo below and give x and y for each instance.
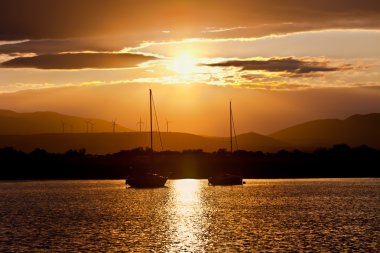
(281, 62)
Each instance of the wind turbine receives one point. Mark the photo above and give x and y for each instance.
(63, 126)
(92, 124)
(87, 122)
(140, 123)
(167, 125)
(114, 125)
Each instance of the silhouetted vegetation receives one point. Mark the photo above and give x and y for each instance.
(338, 161)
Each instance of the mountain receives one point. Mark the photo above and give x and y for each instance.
(104, 143)
(354, 131)
(50, 122)
(255, 141)
(27, 131)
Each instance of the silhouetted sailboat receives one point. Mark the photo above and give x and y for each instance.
(227, 178)
(147, 179)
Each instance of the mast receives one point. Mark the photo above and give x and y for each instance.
(231, 127)
(151, 124)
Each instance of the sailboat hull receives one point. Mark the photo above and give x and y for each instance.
(146, 180)
(225, 179)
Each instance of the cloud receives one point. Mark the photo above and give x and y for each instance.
(289, 65)
(275, 86)
(78, 61)
(46, 19)
(53, 46)
(353, 43)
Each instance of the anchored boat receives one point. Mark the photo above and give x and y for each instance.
(227, 178)
(147, 179)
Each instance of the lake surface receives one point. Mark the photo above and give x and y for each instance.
(190, 216)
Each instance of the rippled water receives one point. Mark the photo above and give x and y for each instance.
(190, 216)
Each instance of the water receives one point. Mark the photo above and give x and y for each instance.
(190, 216)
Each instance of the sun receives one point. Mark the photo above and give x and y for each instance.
(184, 63)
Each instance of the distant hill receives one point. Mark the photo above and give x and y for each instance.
(27, 131)
(50, 122)
(355, 130)
(103, 143)
(254, 141)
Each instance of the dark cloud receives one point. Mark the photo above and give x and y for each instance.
(254, 77)
(53, 46)
(78, 61)
(46, 19)
(290, 65)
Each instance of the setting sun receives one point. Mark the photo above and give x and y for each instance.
(184, 63)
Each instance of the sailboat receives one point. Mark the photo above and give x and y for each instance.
(227, 178)
(147, 179)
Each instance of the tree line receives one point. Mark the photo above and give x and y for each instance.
(337, 161)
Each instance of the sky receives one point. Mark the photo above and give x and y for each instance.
(279, 62)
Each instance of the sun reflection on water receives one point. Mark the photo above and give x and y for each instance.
(187, 192)
(186, 230)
